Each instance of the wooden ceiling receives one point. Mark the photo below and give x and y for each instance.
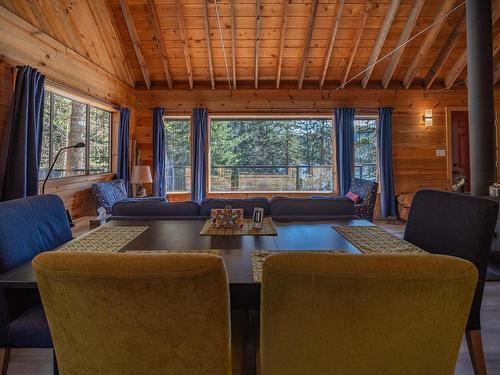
(276, 43)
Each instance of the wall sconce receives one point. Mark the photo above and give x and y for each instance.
(428, 117)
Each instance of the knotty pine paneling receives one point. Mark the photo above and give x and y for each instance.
(414, 146)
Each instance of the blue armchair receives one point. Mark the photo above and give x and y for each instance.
(108, 193)
(28, 227)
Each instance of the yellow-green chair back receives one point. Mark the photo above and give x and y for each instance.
(361, 314)
(136, 314)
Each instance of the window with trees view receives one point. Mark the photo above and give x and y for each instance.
(365, 148)
(178, 154)
(271, 154)
(67, 122)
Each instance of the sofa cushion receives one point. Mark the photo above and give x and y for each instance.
(353, 196)
(248, 204)
(312, 206)
(29, 226)
(155, 209)
(108, 193)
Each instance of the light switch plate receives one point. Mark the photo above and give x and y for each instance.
(440, 152)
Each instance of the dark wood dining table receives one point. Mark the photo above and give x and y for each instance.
(236, 250)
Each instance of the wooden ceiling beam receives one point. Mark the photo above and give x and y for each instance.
(158, 39)
(209, 43)
(284, 18)
(496, 74)
(445, 52)
(307, 45)
(403, 38)
(357, 39)
(233, 41)
(135, 42)
(182, 31)
(461, 62)
(257, 42)
(426, 44)
(382, 35)
(333, 35)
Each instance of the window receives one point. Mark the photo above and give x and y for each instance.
(178, 154)
(271, 154)
(365, 148)
(67, 122)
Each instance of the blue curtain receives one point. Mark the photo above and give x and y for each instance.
(344, 140)
(199, 166)
(122, 169)
(158, 153)
(384, 147)
(22, 143)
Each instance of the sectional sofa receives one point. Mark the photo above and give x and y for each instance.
(280, 208)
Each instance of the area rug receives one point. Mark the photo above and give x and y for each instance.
(104, 239)
(259, 256)
(375, 240)
(268, 229)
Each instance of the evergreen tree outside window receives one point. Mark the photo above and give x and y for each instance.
(178, 154)
(271, 155)
(67, 122)
(365, 148)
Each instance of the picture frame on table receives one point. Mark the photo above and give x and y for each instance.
(258, 217)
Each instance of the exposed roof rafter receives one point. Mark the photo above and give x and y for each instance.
(445, 52)
(257, 42)
(158, 38)
(284, 18)
(403, 38)
(182, 30)
(233, 41)
(333, 35)
(427, 43)
(382, 35)
(357, 40)
(209, 43)
(307, 45)
(135, 41)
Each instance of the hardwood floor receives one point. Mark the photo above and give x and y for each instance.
(39, 361)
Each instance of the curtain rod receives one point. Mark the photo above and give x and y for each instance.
(71, 89)
(264, 109)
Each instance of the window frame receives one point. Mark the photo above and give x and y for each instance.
(263, 116)
(366, 116)
(190, 119)
(88, 104)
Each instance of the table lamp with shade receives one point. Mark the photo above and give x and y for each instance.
(141, 174)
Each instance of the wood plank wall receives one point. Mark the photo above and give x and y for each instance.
(414, 146)
(23, 44)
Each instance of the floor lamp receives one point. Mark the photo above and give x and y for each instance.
(78, 145)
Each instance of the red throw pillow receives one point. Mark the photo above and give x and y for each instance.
(354, 197)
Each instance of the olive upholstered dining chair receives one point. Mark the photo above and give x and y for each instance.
(463, 226)
(28, 226)
(137, 313)
(363, 314)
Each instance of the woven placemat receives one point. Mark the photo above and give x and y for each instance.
(375, 240)
(212, 252)
(259, 256)
(268, 229)
(104, 239)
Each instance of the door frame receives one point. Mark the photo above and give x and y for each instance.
(449, 144)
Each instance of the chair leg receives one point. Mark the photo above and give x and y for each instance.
(475, 345)
(5, 357)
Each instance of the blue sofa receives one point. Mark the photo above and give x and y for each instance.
(280, 208)
(28, 227)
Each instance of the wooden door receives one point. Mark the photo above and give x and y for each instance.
(460, 146)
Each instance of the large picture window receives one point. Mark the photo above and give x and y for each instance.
(271, 154)
(365, 148)
(178, 154)
(67, 122)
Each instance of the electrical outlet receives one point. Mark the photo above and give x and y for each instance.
(440, 152)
